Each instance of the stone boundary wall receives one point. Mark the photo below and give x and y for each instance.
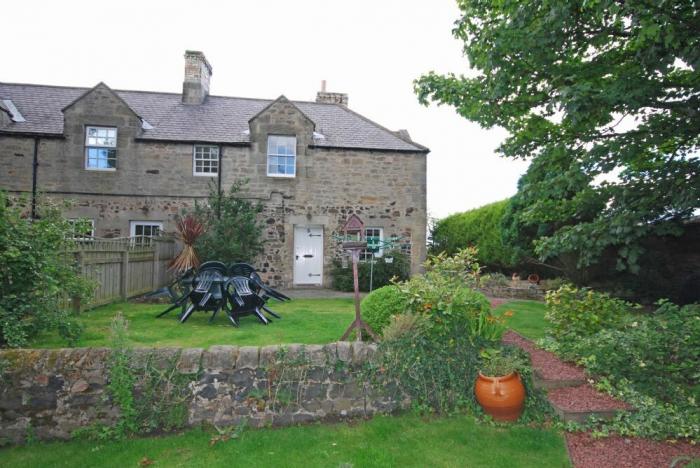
(50, 393)
(533, 292)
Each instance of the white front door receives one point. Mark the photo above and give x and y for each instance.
(308, 254)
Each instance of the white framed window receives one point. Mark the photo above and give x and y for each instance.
(205, 160)
(101, 148)
(143, 231)
(82, 228)
(281, 156)
(373, 236)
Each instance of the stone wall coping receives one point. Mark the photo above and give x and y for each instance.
(190, 360)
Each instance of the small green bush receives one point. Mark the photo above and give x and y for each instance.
(398, 267)
(576, 313)
(380, 305)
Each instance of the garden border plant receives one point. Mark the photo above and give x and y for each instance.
(648, 360)
(150, 396)
(431, 345)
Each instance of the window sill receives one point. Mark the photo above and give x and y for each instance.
(97, 169)
(282, 176)
(202, 174)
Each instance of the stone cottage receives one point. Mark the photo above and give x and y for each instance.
(133, 160)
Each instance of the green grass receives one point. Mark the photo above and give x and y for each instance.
(528, 318)
(384, 441)
(306, 321)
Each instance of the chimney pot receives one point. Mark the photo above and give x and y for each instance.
(323, 86)
(198, 71)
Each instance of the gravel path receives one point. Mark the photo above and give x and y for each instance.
(625, 452)
(584, 450)
(547, 365)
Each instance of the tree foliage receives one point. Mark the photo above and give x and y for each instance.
(480, 228)
(604, 96)
(233, 232)
(37, 276)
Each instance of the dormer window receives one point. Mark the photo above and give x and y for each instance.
(206, 160)
(101, 148)
(281, 156)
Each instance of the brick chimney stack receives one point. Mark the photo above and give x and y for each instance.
(331, 98)
(198, 71)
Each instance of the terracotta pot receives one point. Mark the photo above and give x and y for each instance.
(501, 397)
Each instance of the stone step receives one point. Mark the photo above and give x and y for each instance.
(579, 403)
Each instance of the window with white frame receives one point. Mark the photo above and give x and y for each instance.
(206, 160)
(143, 231)
(281, 156)
(82, 228)
(373, 236)
(101, 148)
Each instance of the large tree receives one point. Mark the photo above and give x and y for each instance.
(604, 97)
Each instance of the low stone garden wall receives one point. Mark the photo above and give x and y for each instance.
(531, 292)
(51, 393)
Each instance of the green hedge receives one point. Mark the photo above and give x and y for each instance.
(480, 228)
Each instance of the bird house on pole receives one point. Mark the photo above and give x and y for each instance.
(354, 242)
(354, 234)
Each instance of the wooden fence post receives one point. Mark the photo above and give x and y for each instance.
(80, 262)
(124, 280)
(156, 263)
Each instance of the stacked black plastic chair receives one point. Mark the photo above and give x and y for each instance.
(237, 289)
(250, 293)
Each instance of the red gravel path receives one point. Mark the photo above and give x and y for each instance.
(625, 452)
(584, 398)
(546, 364)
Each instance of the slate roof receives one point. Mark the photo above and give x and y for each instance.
(219, 120)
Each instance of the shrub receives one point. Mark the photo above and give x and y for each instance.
(233, 232)
(36, 275)
(576, 313)
(399, 267)
(659, 354)
(650, 361)
(494, 280)
(380, 305)
(443, 296)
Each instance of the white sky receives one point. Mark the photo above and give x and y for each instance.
(370, 49)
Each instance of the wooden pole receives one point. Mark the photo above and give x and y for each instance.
(358, 324)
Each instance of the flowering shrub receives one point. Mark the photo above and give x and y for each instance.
(443, 295)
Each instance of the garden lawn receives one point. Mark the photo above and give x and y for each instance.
(383, 441)
(306, 321)
(528, 318)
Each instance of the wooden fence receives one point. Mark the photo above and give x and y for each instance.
(125, 267)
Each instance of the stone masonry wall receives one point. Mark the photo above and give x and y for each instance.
(154, 181)
(51, 393)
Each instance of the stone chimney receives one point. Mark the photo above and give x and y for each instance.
(195, 88)
(331, 98)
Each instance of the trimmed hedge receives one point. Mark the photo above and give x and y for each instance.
(380, 305)
(480, 228)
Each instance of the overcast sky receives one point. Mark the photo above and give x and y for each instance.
(370, 49)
